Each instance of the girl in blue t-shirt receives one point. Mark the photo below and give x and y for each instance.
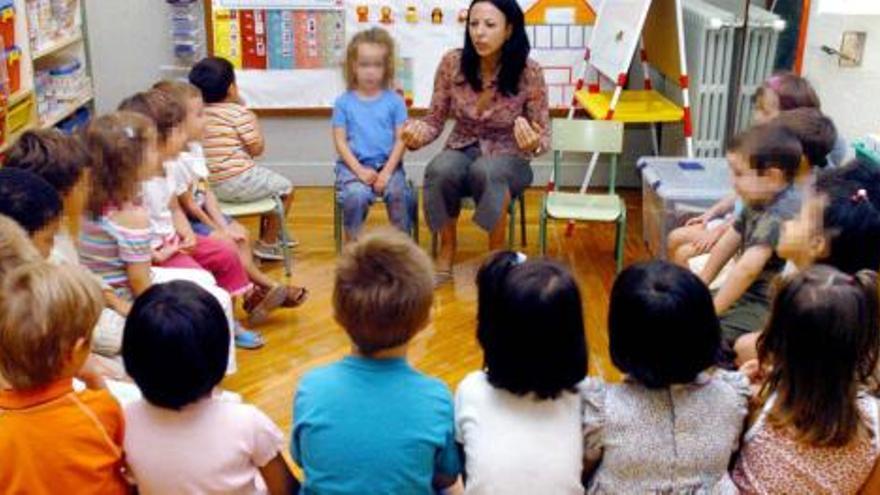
(367, 121)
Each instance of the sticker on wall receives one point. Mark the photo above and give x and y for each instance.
(363, 13)
(462, 16)
(437, 16)
(385, 15)
(412, 15)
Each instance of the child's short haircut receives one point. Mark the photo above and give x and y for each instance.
(161, 107)
(181, 91)
(28, 199)
(851, 219)
(213, 76)
(376, 36)
(117, 143)
(768, 146)
(15, 247)
(176, 344)
(815, 131)
(662, 327)
(821, 341)
(44, 311)
(58, 158)
(383, 291)
(530, 326)
(792, 90)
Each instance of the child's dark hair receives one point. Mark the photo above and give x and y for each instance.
(792, 90)
(821, 342)
(851, 219)
(770, 145)
(160, 106)
(176, 344)
(28, 199)
(514, 52)
(662, 327)
(117, 143)
(58, 158)
(530, 326)
(213, 76)
(815, 131)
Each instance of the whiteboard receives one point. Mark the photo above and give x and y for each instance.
(616, 35)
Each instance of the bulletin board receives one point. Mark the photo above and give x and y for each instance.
(289, 54)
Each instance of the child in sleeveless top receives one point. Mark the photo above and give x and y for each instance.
(816, 430)
(673, 424)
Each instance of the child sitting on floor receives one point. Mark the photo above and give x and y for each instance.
(674, 423)
(63, 162)
(370, 423)
(519, 420)
(817, 430)
(232, 140)
(180, 438)
(763, 161)
(367, 122)
(189, 175)
(54, 440)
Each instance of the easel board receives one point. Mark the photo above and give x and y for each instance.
(616, 35)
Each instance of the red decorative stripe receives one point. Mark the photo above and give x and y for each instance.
(594, 88)
(587, 55)
(644, 55)
(579, 85)
(648, 85)
(610, 114)
(621, 79)
(683, 82)
(688, 128)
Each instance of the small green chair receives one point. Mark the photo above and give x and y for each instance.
(467, 203)
(586, 136)
(337, 216)
(267, 206)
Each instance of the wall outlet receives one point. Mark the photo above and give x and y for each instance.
(852, 48)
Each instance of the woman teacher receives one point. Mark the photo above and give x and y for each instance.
(498, 98)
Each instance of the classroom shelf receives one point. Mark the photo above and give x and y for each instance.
(53, 119)
(19, 96)
(12, 138)
(58, 45)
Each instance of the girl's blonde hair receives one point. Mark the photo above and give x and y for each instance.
(118, 144)
(376, 36)
(16, 248)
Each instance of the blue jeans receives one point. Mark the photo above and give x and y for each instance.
(355, 198)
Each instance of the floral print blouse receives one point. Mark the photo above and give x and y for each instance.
(491, 130)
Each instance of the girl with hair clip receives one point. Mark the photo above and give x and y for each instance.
(815, 429)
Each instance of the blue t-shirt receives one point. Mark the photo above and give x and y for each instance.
(373, 426)
(370, 124)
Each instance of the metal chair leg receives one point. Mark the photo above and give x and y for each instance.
(522, 219)
(542, 228)
(337, 223)
(285, 238)
(511, 223)
(621, 237)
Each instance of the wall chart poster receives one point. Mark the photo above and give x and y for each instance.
(289, 53)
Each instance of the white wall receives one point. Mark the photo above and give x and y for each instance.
(851, 96)
(129, 44)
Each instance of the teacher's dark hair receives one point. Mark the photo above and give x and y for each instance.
(514, 52)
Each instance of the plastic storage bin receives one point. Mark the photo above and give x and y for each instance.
(675, 189)
(13, 68)
(20, 115)
(7, 23)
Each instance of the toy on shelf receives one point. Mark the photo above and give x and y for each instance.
(186, 22)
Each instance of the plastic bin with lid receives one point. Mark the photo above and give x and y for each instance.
(675, 189)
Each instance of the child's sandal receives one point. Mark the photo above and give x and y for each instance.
(296, 296)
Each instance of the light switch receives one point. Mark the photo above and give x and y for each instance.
(852, 48)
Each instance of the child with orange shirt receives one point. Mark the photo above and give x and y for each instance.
(61, 441)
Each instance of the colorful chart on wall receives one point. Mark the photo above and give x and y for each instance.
(289, 53)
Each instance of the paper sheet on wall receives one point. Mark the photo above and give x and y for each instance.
(290, 52)
(849, 7)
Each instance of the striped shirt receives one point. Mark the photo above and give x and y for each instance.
(230, 129)
(106, 248)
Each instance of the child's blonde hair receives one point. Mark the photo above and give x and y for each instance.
(16, 248)
(45, 310)
(118, 144)
(376, 36)
(179, 90)
(383, 291)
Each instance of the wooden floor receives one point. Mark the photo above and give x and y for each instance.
(300, 339)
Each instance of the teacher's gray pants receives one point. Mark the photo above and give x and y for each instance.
(456, 174)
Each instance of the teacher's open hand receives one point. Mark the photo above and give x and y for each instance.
(415, 134)
(528, 135)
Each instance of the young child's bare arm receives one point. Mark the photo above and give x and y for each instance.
(212, 208)
(191, 209)
(396, 153)
(719, 209)
(181, 225)
(720, 254)
(744, 273)
(278, 477)
(116, 303)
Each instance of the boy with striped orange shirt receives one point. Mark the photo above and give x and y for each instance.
(231, 141)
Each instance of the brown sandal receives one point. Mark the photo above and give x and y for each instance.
(296, 296)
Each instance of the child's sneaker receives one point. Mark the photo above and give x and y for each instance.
(270, 252)
(260, 302)
(247, 339)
